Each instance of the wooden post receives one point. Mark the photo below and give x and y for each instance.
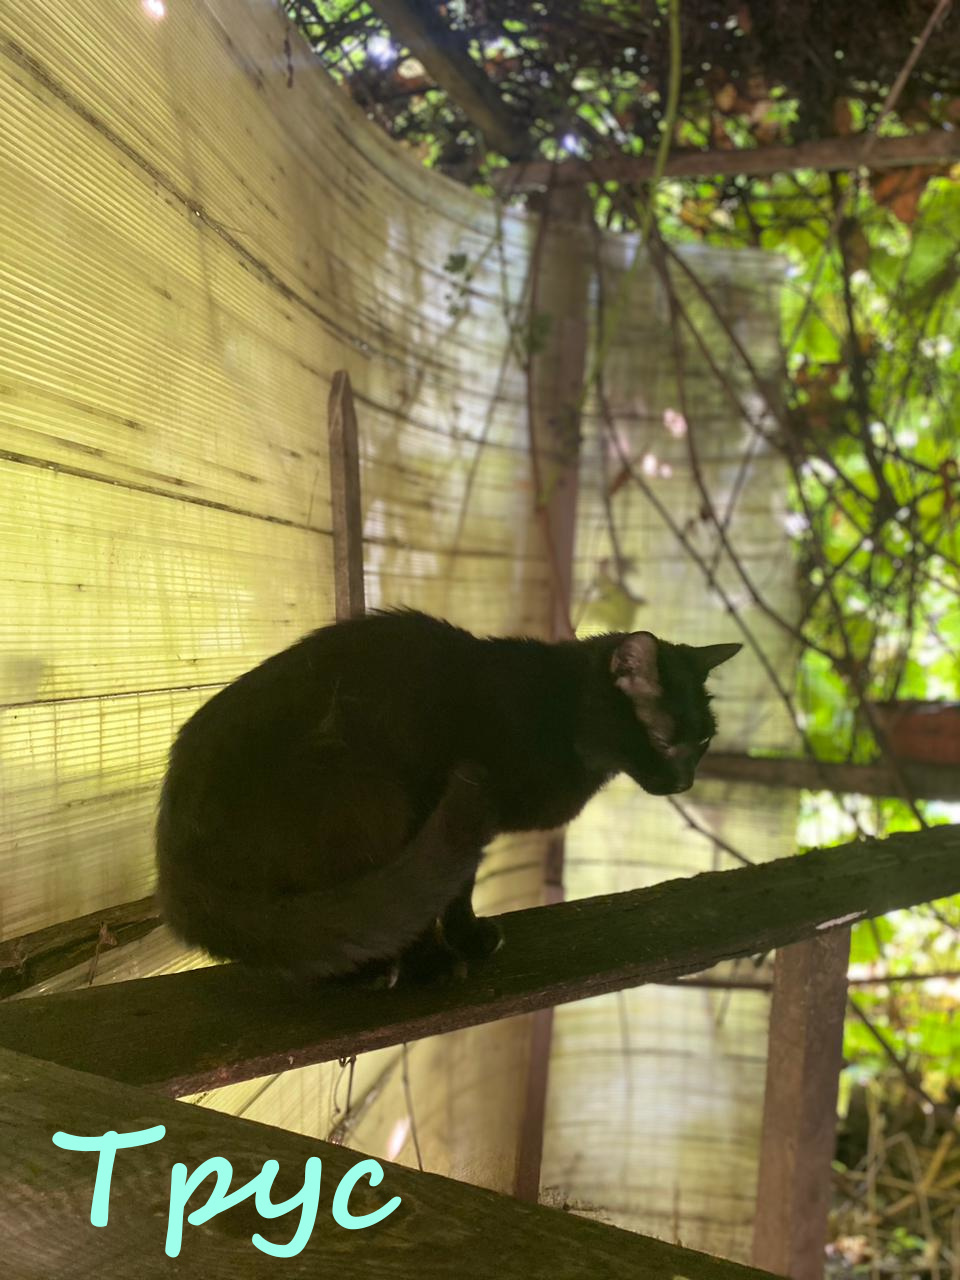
(555, 374)
(800, 1105)
(345, 499)
(560, 298)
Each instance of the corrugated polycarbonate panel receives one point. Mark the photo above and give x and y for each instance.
(190, 248)
(195, 235)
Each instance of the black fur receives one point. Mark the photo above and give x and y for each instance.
(323, 811)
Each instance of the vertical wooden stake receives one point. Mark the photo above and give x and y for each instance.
(800, 1105)
(526, 1183)
(345, 499)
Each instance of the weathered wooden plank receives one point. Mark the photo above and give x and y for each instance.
(345, 499)
(444, 53)
(31, 958)
(926, 781)
(800, 1105)
(936, 146)
(440, 1228)
(181, 1033)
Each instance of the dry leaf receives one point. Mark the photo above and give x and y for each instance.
(766, 132)
(899, 190)
(726, 97)
(696, 213)
(842, 117)
(411, 69)
(757, 87)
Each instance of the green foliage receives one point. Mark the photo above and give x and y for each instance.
(870, 323)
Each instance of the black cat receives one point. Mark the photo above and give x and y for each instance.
(327, 811)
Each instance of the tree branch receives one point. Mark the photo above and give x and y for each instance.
(445, 55)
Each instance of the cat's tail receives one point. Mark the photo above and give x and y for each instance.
(334, 930)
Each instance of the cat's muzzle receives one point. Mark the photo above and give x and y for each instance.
(671, 788)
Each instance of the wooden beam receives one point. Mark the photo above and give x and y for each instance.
(444, 53)
(345, 505)
(800, 1106)
(926, 781)
(34, 957)
(938, 146)
(440, 1228)
(184, 1032)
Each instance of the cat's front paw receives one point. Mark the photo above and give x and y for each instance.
(474, 939)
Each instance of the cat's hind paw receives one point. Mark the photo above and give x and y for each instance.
(373, 975)
(475, 938)
(429, 961)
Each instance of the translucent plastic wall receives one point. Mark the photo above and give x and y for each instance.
(656, 1094)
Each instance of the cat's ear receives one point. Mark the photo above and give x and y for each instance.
(634, 665)
(708, 656)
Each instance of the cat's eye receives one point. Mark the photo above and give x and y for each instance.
(704, 742)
